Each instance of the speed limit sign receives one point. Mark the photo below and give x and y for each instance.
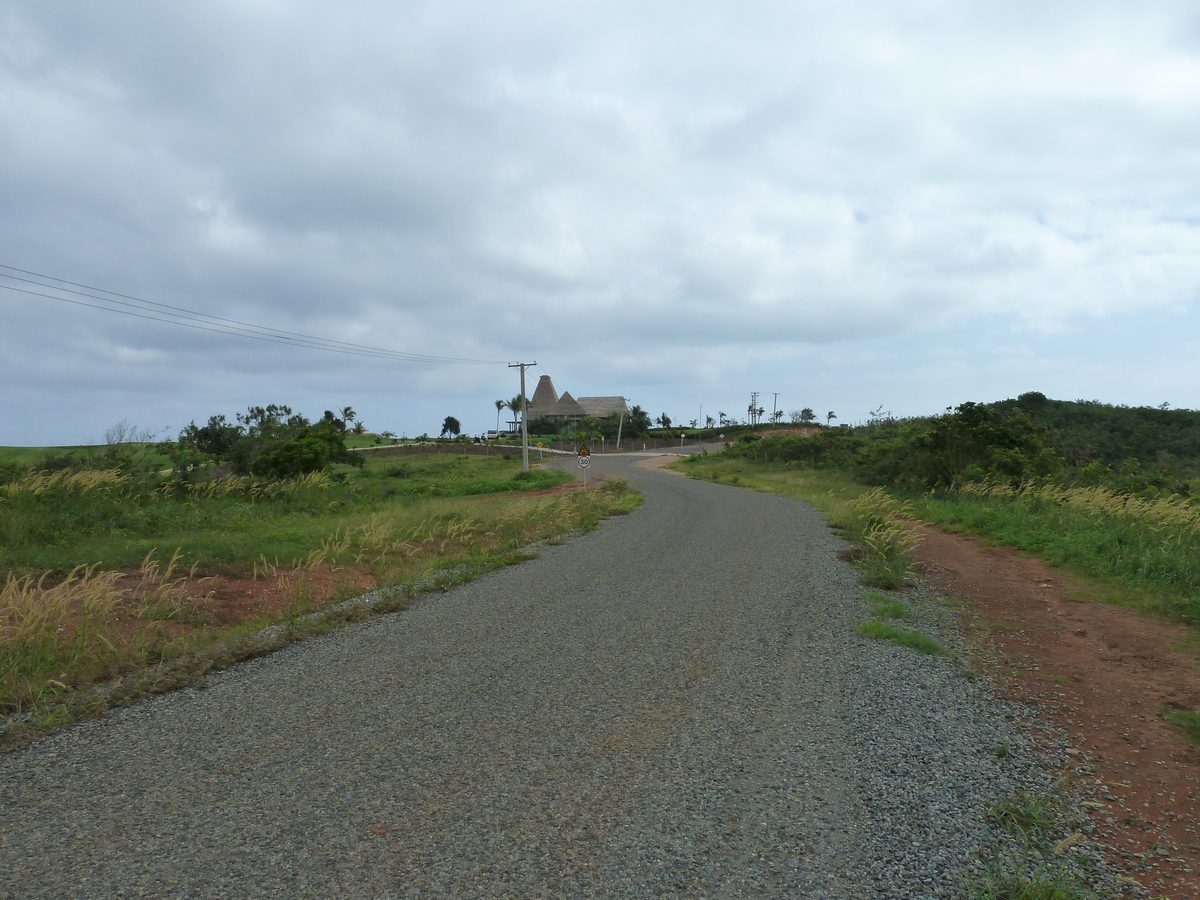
(584, 461)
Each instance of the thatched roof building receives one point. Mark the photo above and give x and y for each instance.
(546, 402)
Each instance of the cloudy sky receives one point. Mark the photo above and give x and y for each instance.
(852, 203)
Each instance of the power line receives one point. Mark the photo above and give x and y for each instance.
(188, 318)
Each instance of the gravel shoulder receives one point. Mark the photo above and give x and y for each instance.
(674, 705)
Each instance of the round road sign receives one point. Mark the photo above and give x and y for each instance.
(584, 461)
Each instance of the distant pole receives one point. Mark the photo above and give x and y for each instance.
(524, 425)
(774, 407)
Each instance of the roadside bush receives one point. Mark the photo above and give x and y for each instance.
(12, 471)
(269, 441)
(972, 443)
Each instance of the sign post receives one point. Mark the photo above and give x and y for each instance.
(585, 459)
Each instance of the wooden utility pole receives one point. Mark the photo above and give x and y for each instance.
(524, 425)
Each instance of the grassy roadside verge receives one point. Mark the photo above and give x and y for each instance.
(1141, 554)
(76, 642)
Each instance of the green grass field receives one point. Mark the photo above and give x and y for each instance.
(28, 456)
(226, 524)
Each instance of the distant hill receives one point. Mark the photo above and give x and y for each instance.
(1090, 430)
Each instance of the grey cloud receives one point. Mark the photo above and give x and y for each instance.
(642, 183)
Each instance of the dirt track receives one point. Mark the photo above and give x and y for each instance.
(1104, 674)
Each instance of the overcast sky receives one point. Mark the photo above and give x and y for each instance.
(857, 204)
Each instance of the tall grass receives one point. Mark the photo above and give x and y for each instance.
(1148, 549)
(31, 610)
(53, 636)
(877, 523)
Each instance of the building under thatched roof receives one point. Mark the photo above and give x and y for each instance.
(546, 402)
(602, 407)
(566, 408)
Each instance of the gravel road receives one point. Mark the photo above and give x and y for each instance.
(671, 706)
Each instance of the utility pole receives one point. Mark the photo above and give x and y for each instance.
(524, 426)
(774, 407)
(754, 407)
(620, 422)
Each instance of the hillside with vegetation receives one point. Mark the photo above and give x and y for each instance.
(1089, 431)
(1137, 449)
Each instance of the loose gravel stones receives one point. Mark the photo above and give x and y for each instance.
(674, 705)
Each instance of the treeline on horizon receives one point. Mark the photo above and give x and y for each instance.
(1141, 450)
(272, 442)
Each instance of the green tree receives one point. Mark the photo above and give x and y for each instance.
(286, 443)
(515, 405)
(545, 425)
(611, 426)
(215, 438)
(451, 426)
(588, 431)
(639, 421)
(313, 449)
(977, 441)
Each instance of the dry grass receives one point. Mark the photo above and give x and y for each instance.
(877, 523)
(64, 480)
(243, 486)
(165, 593)
(1100, 501)
(30, 609)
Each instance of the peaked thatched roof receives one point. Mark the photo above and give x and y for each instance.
(567, 406)
(543, 399)
(546, 402)
(602, 407)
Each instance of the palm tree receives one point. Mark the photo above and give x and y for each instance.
(829, 417)
(515, 405)
(500, 404)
